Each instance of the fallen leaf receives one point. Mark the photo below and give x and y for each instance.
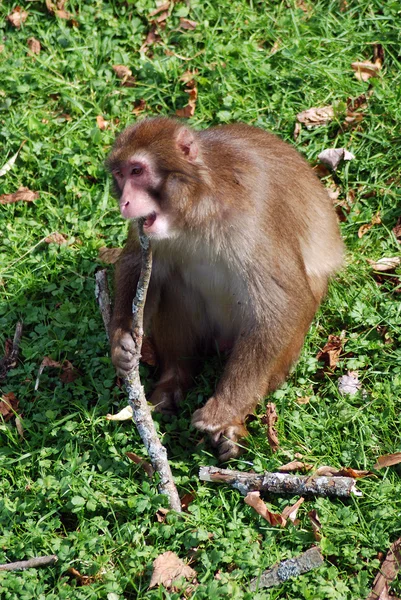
(385, 264)
(109, 255)
(397, 230)
(17, 17)
(313, 117)
(101, 123)
(80, 579)
(152, 38)
(148, 352)
(125, 74)
(191, 89)
(167, 568)
(365, 70)
(354, 473)
(187, 499)
(34, 45)
(23, 193)
(162, 8)
(295, 465)
(254, 500)
(270, 418)
(297, 130)
(68, 372)
(8, 405)
(20, 427)
(10, 163)
(349, 384)
(56, 238)
(330, 353)
(57, 9)
(139, 107)
(333, 156)
(290, 512)
(376, 220)
(187, 24)
(161, 18)
(161, 514)
(387, 460)
(303, 400)
(387, 573)
(316, 525)
(146, 466)
(125, 414)
(325, 471)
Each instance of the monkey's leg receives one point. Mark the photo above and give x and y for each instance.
(259, 363)
(177, 328)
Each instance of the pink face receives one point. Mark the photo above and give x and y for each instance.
(135, 178)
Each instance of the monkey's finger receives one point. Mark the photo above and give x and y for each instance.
(201, 421)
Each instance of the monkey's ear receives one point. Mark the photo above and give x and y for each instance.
(186, 142)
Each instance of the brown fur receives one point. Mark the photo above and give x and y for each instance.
(255, 241)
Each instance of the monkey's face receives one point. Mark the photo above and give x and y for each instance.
(154, 166)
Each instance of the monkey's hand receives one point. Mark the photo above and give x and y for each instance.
(124, 355)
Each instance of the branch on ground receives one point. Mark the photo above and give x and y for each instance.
(21, 565)
(284, 570)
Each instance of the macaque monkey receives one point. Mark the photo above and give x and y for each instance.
(244, 239)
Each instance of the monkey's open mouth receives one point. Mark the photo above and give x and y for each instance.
(150, 219)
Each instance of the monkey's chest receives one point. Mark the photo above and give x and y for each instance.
(220, 297)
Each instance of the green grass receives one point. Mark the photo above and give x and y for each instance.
(68, 488)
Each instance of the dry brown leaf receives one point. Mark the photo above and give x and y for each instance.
(152, 38)
(387, 460)
(295, 465)
(297, 130)
(101, 123)
(316, 525)
(109, 255)
(376, 220)
(167, 568)
(139, 107)
(148, 352)
(125, 74)
(303, 400)
(313, 117)
(326, 471)
(397, 230)
(57, 9)
(270, 418)
(332, 157)
(161, 514)
(146, 466)
(330, 353)
(34, 45)
(68, 372)
(254, 500)
(22, 194)
(187, 499)
(387, 573)
(17, 17)
(20, 427)
(162, 8)
(80, 579)
(56, 238)
(385, 264)
(191, 89)
(8, 405)
(187, 24)
(366, 69)
(290, 512)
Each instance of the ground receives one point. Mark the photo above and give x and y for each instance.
(67, 486)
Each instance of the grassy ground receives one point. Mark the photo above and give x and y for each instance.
(67, 487)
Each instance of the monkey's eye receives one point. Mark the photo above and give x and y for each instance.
(136, 170)
(117, 173)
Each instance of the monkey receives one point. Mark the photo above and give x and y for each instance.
(244, 239)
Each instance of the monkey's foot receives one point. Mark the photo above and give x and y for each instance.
(228, 442)
(215, 416)
(166, 399)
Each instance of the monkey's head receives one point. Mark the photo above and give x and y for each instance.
(156, 168)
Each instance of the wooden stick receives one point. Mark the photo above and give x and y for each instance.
(21, 565)
(10, 359)
(136, 396)
(281, 483)
(284, 570)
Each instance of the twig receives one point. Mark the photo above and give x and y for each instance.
(284, 570)
(21, 565)
(281, 483)
(9, 360)
(136, 397)
(388, 572)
